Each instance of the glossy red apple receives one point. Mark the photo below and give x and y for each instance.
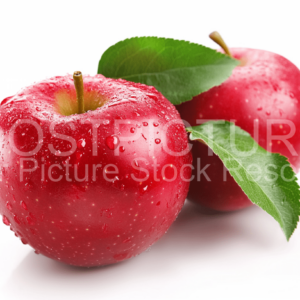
(263, 93)
(94, 188)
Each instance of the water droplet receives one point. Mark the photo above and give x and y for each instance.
(6, 221)
(24, 241)
(17, 219)
(132, 130)
(8, 205)
(30, 221)
(112, 142)
(81, 143)
(145, 124)
(23, 204)
(158, 203)
(143, 190)
(292, 95)
(259, 108)
(152, 96)
(38, 109)
(275, 87)
(268, 112)
(135, 162)
(121, 256)
(66, 161)
(122, 149)
(157, 141)
(155, 124)
(106, 122)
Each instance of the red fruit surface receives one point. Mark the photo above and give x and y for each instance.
(266, 87)
(91, 220)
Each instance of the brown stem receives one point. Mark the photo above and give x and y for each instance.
(216, 37)
(78, 83)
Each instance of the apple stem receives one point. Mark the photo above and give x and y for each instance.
(78, 83)
(216, 37)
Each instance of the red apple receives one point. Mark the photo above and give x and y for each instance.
(97, 187)
(262, 93)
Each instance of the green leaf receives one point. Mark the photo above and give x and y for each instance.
(178, 69)
(266, 178)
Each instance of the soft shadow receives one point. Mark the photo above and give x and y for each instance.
(195, 235)
(198, 229)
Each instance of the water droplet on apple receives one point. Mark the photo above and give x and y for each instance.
(66, 161)
(143, 190)
(112, 142)
(132, 130)
(6, 221)
(122, 149)
(81, 143)
(127, 240)
(268, 113)
(275, 87)
(57, 152)
(145, 124)
(152, 96)
(292, 95)
(135, 162)
(8, 206)
(121, 256)
(30, 220)
(24, 241)
(157, 141)
(17, 219)
(106, 122)
(155, 124)
(23, 204)
(259, 108)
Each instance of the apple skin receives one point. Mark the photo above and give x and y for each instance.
(93, 222)
(266, 86)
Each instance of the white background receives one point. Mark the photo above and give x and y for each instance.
(241, 255)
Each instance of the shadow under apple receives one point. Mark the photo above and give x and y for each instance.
(195, 240)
